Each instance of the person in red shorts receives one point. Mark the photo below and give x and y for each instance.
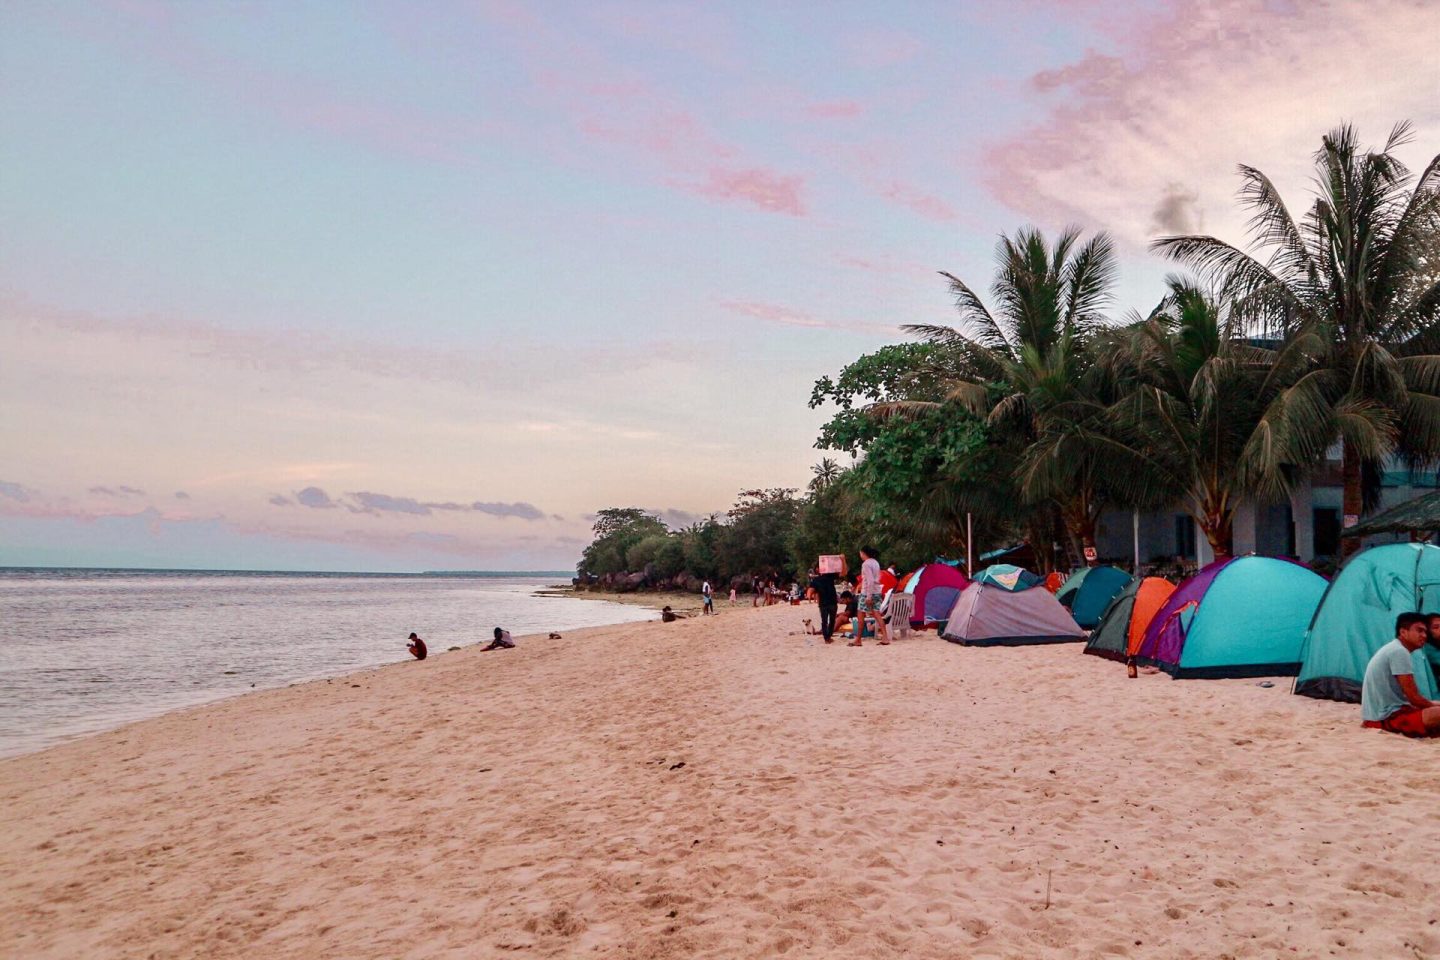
(1389, 699)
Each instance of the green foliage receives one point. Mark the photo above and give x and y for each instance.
(757, 536)
(617, 532)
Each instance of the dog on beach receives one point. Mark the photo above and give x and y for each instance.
(810, 628)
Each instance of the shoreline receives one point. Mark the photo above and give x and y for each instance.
(719, 788)
(690, 603)
(98, 727)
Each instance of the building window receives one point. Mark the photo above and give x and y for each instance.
(1185, 536)
(1327, 531)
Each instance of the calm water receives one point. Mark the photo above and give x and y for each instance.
(85, 651)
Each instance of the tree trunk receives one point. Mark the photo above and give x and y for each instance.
(1220, 532)
(1353, 499)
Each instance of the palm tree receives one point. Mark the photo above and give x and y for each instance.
(826, 472)
(1356, 277)
(1191, 423)
(1023, 365)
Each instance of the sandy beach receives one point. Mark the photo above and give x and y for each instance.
(721, 788)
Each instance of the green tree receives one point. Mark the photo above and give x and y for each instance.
(1190, 424)
(617, 530)
(756, 540)
(1023, 366)
(1353, 283)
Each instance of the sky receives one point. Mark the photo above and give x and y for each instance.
(395, 286)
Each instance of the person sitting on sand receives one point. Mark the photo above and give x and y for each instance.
(1389, 699)
(417, 647)
(502, 641)
(846, 614)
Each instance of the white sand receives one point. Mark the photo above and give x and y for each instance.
(912, 801)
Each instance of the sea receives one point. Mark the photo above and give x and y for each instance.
(87, 650)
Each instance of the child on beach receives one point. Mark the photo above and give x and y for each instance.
(417, 647)
(734, 595)
(1389, 699)
(502, 641)
(709, 594)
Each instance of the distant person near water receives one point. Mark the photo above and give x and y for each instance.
(824, 586)
(502, 641)
(1389, 699)
(870, 598)
(417, 647)
(708, 593)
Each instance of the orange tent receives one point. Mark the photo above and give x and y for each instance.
(1122, 628)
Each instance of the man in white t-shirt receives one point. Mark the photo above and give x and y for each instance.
(709, 595)
(1389, 698)
(871, 596)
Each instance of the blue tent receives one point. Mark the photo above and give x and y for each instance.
(1357, 617)
(1242, 617)
(1089, 591)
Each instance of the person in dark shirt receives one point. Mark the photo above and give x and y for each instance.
(824, 586)
(417, 647)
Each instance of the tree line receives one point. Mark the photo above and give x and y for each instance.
(1041, 408)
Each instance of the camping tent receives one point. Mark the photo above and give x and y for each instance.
(1357, 616)
(1241, 617)
(935, 586)
(1089, 591)
(1121, 629)
(1003, 610)
(1008, 576)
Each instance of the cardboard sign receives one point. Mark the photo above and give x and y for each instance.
(831, 563)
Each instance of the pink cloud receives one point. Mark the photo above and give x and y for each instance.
(1146, 139)
(917, 201)
(880, 47)
(775, 313)
(764, 189)
(835, 110)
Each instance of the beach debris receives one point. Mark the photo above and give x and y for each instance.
(677, 766)
(231, 673)
(454, 648)
(556, 636)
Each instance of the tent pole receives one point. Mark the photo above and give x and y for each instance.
(969, 547)
(1135, 525)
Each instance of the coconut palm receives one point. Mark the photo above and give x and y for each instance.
(1190, 426)
(1356, 277)
(826, 472)
(1023, 364)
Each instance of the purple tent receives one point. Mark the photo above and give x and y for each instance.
(1166, 634)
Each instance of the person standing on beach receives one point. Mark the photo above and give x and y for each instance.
(417, 647)
(870, 598)
(1389, 699)
(824, 586)
(502, 641)
(734, 594)
(709, 594)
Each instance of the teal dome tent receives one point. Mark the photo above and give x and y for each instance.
(1089, 591)
(1357, 617)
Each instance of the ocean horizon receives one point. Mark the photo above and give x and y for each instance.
(87, 649)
